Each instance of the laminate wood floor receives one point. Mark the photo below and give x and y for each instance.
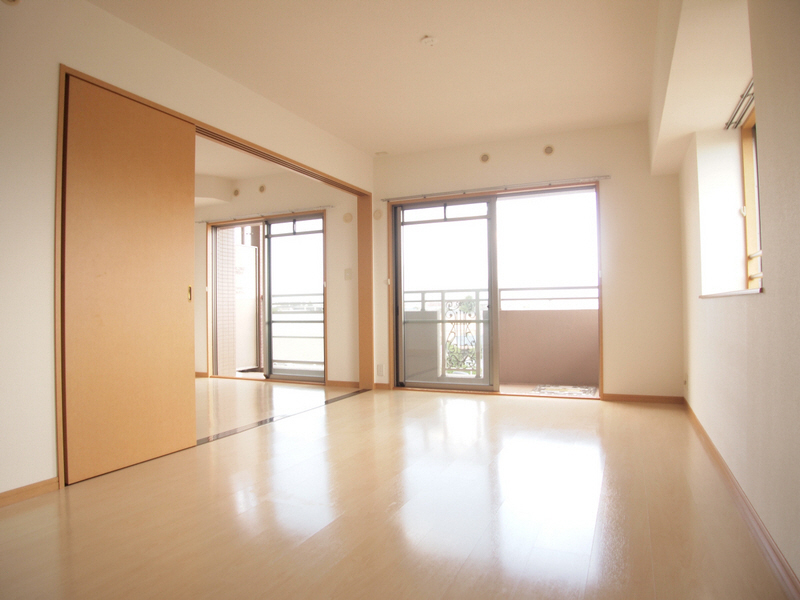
(228, 405)
(403, 495)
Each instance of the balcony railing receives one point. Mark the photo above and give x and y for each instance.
(298, 334)
(446, 331)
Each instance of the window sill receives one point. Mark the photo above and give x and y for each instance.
(733, 293)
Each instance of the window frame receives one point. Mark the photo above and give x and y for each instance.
(751, 209)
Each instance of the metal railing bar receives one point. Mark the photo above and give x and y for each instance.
(445, 321)
(561, 287)
(524, 289)
(296, 362)
(296, 295)
(548, 298)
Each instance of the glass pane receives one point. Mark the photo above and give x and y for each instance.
(445, 302)
(298, 349)
(297, 304)
(478, 209)
(445, 256)
(422, 359)
(297, 316)
(281, 228)
(298, 330)
(292, 256)
(308, 225)
(423, 214)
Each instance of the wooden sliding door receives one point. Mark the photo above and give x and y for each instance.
(127, 264)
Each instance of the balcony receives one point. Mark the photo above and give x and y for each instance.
(298, 335)
(548, 335)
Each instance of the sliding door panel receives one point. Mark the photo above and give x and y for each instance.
(295, 299)
(444, 292)
(128, 263)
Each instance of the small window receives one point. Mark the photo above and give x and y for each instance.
(751, 208)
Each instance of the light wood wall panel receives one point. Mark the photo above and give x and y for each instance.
(366, 324)
(128, 352)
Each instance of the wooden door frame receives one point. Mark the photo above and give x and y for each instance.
(392, 308)
(364, 233)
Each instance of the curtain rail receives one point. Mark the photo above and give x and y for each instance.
(503, 188)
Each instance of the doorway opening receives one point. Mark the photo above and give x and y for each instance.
(500, 293)
(236, 294)
(548, 279)
(268, 299)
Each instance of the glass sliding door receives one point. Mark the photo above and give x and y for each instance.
(444, 290)
(294, 299)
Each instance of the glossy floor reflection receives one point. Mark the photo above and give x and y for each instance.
(403, 495)
(227, 405)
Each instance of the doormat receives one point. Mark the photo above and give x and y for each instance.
(566, 390)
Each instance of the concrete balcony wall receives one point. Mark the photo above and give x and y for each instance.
(559, 347)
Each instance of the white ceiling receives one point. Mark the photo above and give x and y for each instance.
(356, 68)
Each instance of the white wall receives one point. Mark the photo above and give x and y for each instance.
(35, 36)
(742, 352)
(639, 238)
(285, 192)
